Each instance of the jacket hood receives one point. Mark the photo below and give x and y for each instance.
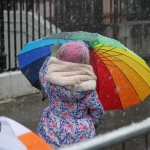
(73, 76)
(65, 81)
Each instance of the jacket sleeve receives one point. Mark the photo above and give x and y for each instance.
(96, 110)
(42, 78)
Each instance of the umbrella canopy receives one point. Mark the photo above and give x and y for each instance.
(123, 77)
(14, 136)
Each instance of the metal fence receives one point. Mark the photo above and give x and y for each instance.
(116, 137)
(67, 15)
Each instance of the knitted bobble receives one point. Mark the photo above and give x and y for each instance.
(74, 52)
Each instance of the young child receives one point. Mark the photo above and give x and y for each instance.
(74, 110)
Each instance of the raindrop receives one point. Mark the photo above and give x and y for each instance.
(111, 70)
(115, 6)
(98, 60)
(117, 89)
(13, 108)
(124, 113)
(112, 114)
(1, 108)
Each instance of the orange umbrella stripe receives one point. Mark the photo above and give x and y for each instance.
(127, 94)
(32, 142)
(137, 82)
(145, 75)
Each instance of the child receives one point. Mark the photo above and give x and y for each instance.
(74, 109)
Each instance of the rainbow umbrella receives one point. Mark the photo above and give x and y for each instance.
(123, 78)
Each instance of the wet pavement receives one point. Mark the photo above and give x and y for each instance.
(29, 111)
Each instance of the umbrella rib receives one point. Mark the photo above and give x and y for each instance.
(105, 68)
(114, 84)
(107, 65)
(110, 56)
(108, 50)
(99, 47)
(112, 79)
(105, 61)
(129, 82)
(113, 55)
(123, 62)
(92, 60)
(120, 59)
(103, 45)
(97, 74)
(105, 51)
(97, 50)
(124, 75)
(132, 68)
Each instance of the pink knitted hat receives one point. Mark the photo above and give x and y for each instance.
(74, 52)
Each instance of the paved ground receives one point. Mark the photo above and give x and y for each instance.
(28, 113)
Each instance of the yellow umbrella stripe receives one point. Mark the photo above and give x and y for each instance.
(135, 79)
(117, 51)
(141, 68)
(99, 45)
(114, 54)
(102, 49)
(145, 75)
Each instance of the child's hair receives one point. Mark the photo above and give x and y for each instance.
(75, 52)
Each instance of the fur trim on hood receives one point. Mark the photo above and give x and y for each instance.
(73, 76)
